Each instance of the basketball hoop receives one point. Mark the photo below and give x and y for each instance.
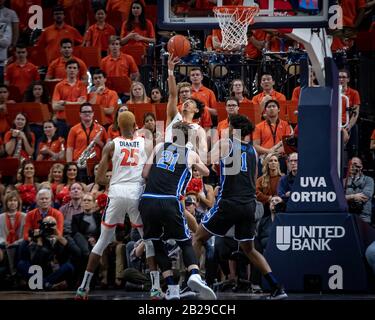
(234, 21)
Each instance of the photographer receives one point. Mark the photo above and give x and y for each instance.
(359, 190)
(52, 252)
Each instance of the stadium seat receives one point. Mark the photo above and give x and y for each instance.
(72, 114)
(90, 55)
(42, 167)
(35, 112)
(139, 110)
(119, 84)
(37, 55)
(137, 52)
(9, 167)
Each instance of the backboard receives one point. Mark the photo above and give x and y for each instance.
(273, 14)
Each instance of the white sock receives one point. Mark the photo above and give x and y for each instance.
(86, 280)
(155, 279)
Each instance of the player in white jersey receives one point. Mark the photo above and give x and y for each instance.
(128, 154)
(191, 109)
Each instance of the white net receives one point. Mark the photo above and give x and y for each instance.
(234, 22)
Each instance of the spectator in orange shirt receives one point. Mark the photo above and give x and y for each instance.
(21, 72)
(268, 134)
(268, 93)
(68, 91)
(20, 141)
(83, 133)
(353, 12)
(232, 106)
(103, 97)
(118, 64)
(184, 92)
(137, 30)
(256, 43)
(199, 91)
(51, 146)
(52, 35)
(98, 34)
(138, 93)
(118, 11)
(33, 217)
(238, 90)
(312, 83)
(57, 68)
(354, 104)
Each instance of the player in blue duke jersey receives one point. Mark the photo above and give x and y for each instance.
(168, 172)
(235, 204)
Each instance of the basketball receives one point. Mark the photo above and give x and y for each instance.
(179, 46)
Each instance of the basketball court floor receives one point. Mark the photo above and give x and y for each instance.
(124, 295)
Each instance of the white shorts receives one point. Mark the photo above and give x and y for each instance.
(123, 199)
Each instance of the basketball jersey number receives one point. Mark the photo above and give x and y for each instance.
(168, 160)
(132, 154)
(243, 162)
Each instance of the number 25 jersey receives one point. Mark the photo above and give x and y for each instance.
(129, 157)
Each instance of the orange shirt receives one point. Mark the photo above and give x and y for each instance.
(55, 146)
(274, 95)
(98, 37)
(106, 99)
(113, 133)
(21, 76)
(149, 32)
(222, 125)
(296, 93)
(354, 100)
(373, 135)
(34, 216)
(71, 93)
(79, 138)
(207, 96)
(52, 35)
(23, 153)
(57, 68)
(251, 51)
(122, 66)
(264, 134)
(350, 10)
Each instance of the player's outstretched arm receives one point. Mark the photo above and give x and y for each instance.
(100, 177)
(148, 165)
(193, 159)
(172, 87)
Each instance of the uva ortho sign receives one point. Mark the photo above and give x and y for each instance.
(313, 196)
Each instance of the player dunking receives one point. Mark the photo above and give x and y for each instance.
(168, 172)
(238, 167)
(128, 155)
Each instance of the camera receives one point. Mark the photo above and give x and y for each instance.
(355, 207)
(47, 228)
(280, 207)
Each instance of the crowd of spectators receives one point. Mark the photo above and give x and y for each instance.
(54, 221)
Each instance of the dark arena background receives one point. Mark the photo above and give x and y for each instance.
(68, 69)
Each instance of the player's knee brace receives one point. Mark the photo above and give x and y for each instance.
(106, 237)
(150, 250)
